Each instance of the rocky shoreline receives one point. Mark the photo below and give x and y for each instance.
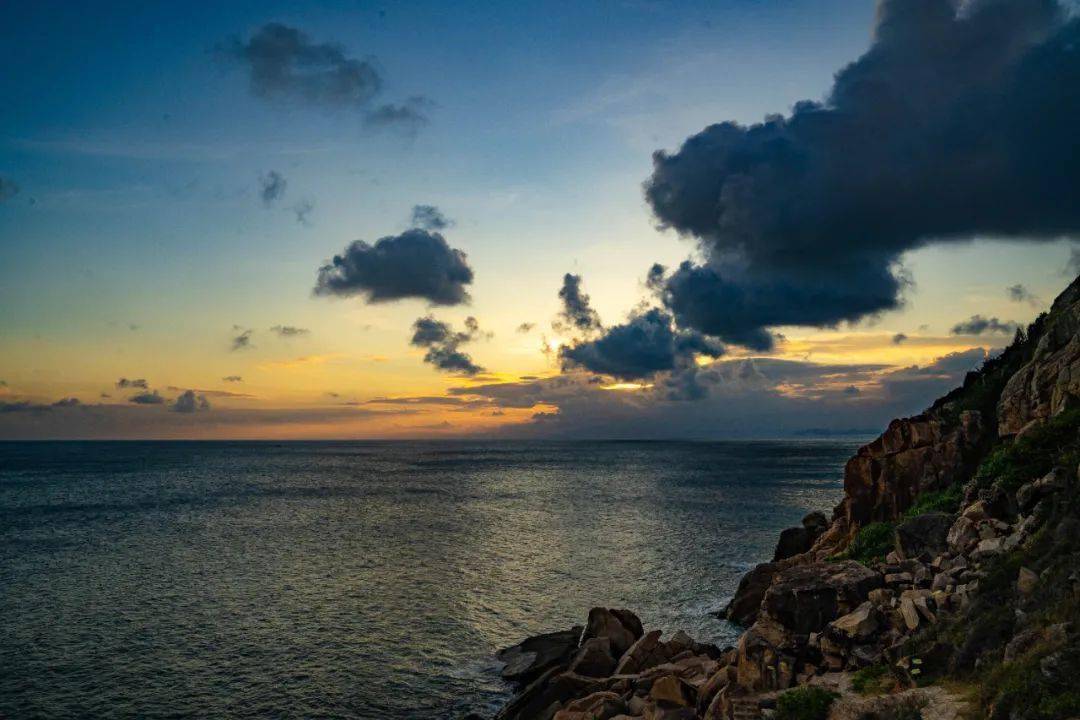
(946, 559)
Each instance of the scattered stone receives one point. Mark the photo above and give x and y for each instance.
(909, 613)
(857, 626)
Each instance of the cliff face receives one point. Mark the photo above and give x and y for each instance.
(954, 553)
(1050, 382)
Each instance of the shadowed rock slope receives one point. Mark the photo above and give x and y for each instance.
(946, 584)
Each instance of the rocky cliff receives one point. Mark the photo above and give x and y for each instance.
(954, 555)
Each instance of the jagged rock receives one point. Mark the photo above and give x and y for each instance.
(914, 454)
(744, 606)
(602, 705)
(641, 655)
(672, 691)
(1051, 380)
(606, 623)
(923, 536)
(793, 541)
(594, 658)
(909, 613)
(900, 578)
(803, 599)
(857, 626)
(963, 534)
(988, 547)
(536, 654)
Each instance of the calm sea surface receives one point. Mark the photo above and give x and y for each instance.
(363, 580)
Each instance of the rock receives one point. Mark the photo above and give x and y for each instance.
(901, 578)
(988, 547)
(630, 621)
(743, 608)
(923, 536)
(962, 535)
(816, 522)
(881, 597)
(793, 541)
(532, 656)
(594, 658)
(605, 623)
(912, 455)
(1026, 581)
(1051, 380)
(641, 655)
(909, 613)
(672, 691)
(857, 626)
(603, 705)
(804, 598)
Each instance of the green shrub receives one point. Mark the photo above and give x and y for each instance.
(871, 680)
(1056, 442)
(805, 703)
(871, 543)
(947, 501)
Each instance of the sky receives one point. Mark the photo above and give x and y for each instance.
(635, 219)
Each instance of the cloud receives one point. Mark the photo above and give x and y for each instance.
(232, 379)
(147, 398)
(429, 217)
(525, 327)
(241, 341)
(443, 344)
(1019, 293)
(8, 189)
(283, 63)
(977, 325)
(899, 338)
(271, 187)
(139, 383)
(67, 402)
(643, 346)
(576, 310)
(408, 118)
(287, 331)
(415, 264)
(958, 122)
(302, 210)
(189, 402)
(14, 406)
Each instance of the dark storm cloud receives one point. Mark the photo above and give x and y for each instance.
(899, 338)
(271, 187)
(525, 327)
(443, 344)
(415, 264)
(1019, 293)
(429, 217)
(67, 402)
(284, 63)
(241, 341)
(576, 310)
(232, 379)
(287, 331)
(977, 325)
(138, 383)
(189, 402)
(147, 398)
(641, 347)
(959, 121)
(9, 406)
(8, 189)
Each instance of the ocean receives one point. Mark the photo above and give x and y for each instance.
(361, 579)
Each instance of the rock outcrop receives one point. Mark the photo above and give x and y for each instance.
(814, 618)
(1050, 382)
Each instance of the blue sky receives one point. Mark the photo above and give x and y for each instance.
(137, 148)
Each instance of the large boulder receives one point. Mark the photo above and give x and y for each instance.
(798, 540)
(805, 598)
(744, 606)
(620, 627)
(533, 656)
(924, 536)
(594, 658)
